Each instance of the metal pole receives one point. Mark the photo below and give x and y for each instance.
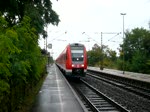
(101, 67)
(46, 38)
(123, 14)
(46, 47)
(149, 25)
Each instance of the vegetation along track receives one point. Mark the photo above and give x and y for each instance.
(131, 87)
(94, 100)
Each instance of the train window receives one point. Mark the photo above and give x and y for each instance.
(77, 57)
(77, 53)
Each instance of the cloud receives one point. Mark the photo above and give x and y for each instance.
(92, 16)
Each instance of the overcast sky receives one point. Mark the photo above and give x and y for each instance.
(94, 17)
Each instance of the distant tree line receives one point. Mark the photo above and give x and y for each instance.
(22, 62)
(135, 48)
(102, 57)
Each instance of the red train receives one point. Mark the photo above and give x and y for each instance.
(73, 60)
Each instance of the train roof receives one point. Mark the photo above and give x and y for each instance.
(76, 44)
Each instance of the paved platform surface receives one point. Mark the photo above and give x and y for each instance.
(56, 96)
(137, 76)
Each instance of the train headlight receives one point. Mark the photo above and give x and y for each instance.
(73, 65)
(82, 65)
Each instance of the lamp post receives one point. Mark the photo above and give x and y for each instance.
(123, 14)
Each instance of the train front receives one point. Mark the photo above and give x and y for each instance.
(78, 59)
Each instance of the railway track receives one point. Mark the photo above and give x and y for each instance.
(96, 101)
(142, 92)
(122, 78)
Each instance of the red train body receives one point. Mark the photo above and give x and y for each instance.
(73, 60)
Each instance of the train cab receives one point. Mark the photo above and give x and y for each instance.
(73, 60)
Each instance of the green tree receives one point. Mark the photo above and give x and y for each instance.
(40, 12)
(21, 62)
(136, 50)
(96, 57)
(110, 58)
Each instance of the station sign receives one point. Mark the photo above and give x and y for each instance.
(49, 46)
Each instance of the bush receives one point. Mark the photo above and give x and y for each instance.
(21, 62)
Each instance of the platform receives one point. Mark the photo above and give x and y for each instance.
(132, 75)
(56, 95)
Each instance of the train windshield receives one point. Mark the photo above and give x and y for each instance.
(77, 53)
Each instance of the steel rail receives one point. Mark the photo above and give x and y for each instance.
(129, 87)
(97, 101)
